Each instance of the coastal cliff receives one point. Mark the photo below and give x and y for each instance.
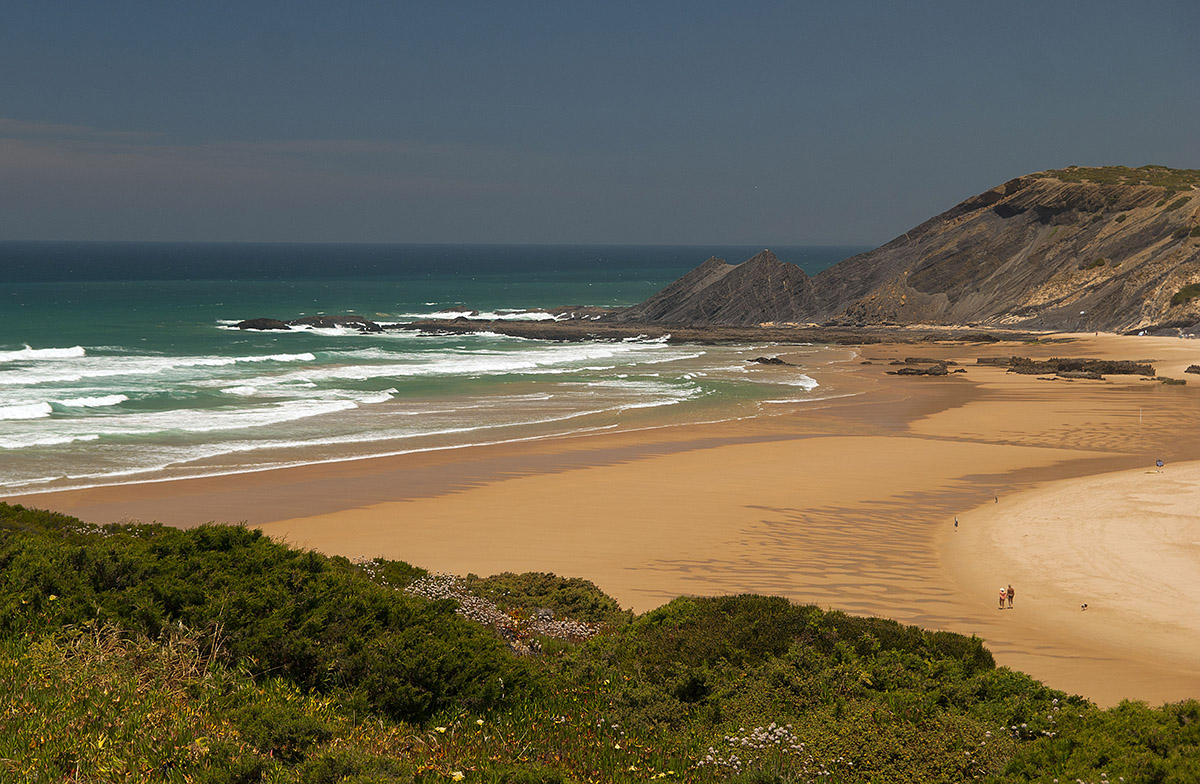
(1113, 249)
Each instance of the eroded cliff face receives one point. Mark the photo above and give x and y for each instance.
(1038, 252)
(1109, 249)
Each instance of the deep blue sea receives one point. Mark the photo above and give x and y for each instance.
(119, 362)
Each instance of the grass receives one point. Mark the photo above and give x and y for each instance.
(736, 688)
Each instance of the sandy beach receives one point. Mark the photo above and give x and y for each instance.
(848, 503)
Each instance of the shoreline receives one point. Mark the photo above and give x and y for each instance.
(396, 427)
(845, 504)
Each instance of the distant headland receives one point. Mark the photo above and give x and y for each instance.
(1110, 249)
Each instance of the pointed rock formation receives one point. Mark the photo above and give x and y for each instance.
(760, 290)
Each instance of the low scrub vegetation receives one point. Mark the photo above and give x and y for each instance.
(144, 653)
(1161, 176)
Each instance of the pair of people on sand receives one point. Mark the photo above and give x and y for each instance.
(1007, 593)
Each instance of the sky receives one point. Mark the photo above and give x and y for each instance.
(506, 121)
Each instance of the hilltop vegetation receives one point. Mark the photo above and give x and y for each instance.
(1161, 176)
(215, 655)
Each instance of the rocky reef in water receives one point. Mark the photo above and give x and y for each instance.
(323, 322)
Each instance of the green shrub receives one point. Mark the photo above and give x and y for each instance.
(1121, 218)
(571, 597)
(1130, 742)
(316, 620)
(347, 767)
(1089, 265)
(280, 730)
(393, 574)
(1186, 294)
(1182, 200)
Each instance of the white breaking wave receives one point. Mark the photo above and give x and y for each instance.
(42, 353)
(220, 361)
(94, 402)
(139, 366)
(377, 397)
(27, 411)
(807, 382)
(174, 422)
(471, 363)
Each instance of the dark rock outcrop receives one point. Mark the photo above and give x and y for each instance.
(327, 322)
(263, 323)
(769, 361)
(1080, 367)
(1192, 369)
(936, 370)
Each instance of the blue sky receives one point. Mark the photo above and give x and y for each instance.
(697, 122)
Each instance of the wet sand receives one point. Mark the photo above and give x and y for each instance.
(846, 504)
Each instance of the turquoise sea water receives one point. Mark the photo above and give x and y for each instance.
(119, 362)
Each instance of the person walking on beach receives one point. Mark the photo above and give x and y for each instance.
(1010, 593)
(1003, 595)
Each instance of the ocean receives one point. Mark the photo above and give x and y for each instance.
(120, 362)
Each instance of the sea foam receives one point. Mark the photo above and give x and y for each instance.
(26, 411)
(98, 401)
(28, 353)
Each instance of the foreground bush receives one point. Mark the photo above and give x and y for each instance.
(214, 655)
(316, 620)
